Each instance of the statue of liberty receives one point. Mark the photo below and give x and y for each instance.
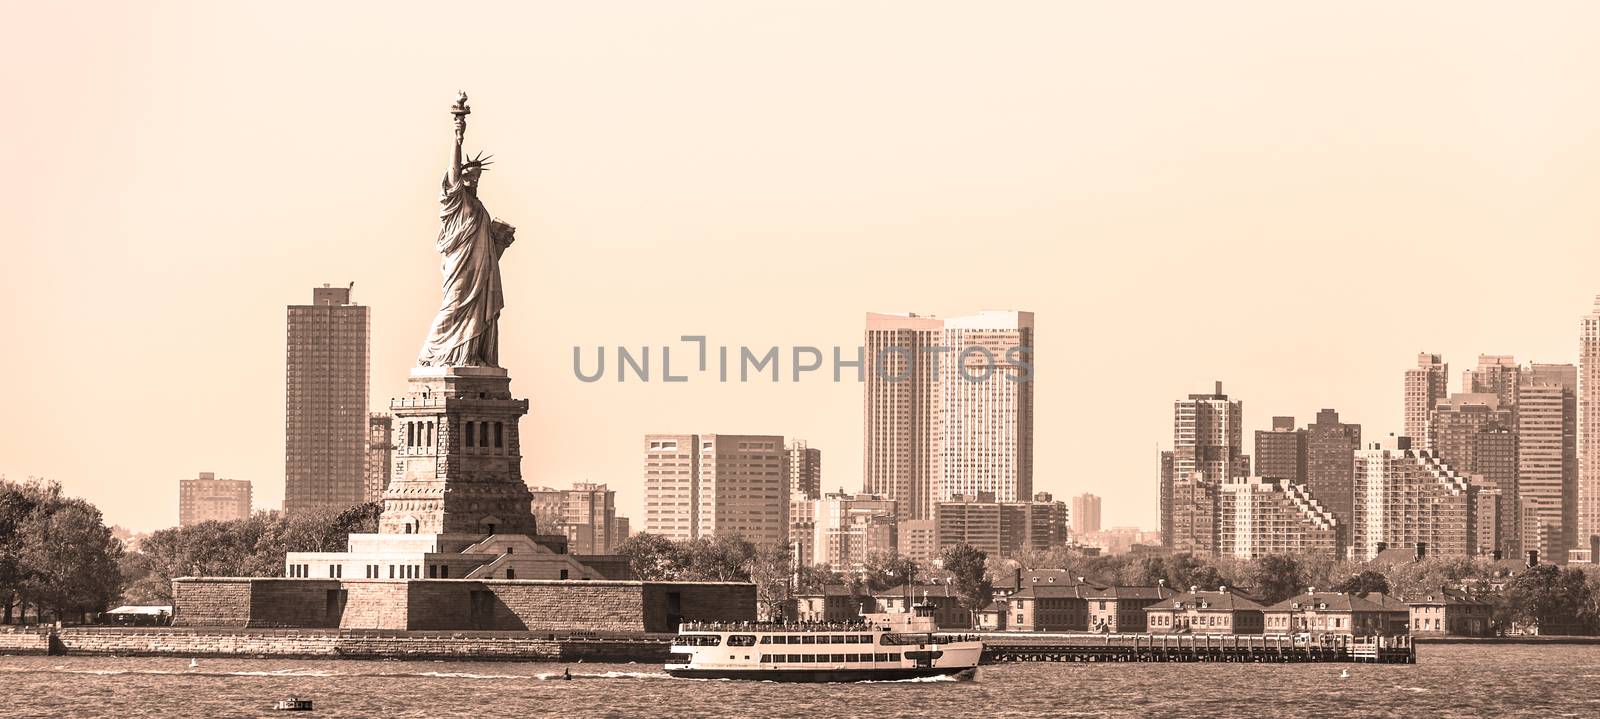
(465, 333)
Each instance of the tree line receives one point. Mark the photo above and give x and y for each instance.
(60, 562)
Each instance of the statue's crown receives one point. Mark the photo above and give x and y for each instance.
(480, 163)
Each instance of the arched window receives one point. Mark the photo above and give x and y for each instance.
(469, 434)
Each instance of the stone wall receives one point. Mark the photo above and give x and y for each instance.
(457, 604)
(17, 640)
(335, 644)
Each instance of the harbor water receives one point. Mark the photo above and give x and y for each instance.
(1467, 681)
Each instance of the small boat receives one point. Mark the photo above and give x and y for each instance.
(885, 646)
(1344, 673)
(292, 704)
(194, 663)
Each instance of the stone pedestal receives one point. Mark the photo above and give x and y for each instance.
(445, 481)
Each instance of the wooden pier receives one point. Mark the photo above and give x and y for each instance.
(1001, 647)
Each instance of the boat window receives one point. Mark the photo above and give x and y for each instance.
(808, 639)
(679, 658)
(698, 640)
(742, 640)
(766, 639)
(837, 658)
(808, 658)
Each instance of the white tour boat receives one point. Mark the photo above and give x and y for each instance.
(882, 646)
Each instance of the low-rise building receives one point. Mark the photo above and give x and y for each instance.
(1319, 613)
(1448, 613)
(1118, 610)
(832, 603)
(1046, 607)
(1198, 612)
(947, 610)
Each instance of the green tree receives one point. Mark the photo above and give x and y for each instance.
(1276, 577)
(653, 557)
(18, 502)
(883, 571)
(1364, 583)
(723, 558)
(969, 573)
(772, 570)
(71, 558)
(1550, 598)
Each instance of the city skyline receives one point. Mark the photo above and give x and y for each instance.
(1240, 154)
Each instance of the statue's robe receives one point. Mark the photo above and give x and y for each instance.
(465, 333)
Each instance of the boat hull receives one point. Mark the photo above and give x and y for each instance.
(821, 675)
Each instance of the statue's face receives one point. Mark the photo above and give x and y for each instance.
(470, 177)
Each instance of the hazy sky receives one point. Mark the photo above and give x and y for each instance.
(1293, 200)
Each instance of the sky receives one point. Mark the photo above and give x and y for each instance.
(1292, 198)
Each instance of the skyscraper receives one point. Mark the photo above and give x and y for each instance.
(1207, 450)
(589, 519)
(803, 466)
(1281, 452)
(1547, 458)
(948, 408)
(1588, 534)
(900, 427)
(843, 530)
(1085, 517)
(1330, 467)
(325, 447)
(716, 485)
(1002, 529)
(209, 499)
(1426, 384)
(1498, 375)
(986, 407)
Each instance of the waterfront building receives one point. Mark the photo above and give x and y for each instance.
(1319, 613)
(1409, 498)
(1588, 532)
(1202, 612)
(940, 597)
(948, 408)
(380, 455)
(208, 499)
(1002, 528)
(830, 603)
(1450, 613)
(325, 403)
(1547, 458)
(1425, 386)
(1085, 515)
(1207, 450)
(1047, 607)
(1258, 516)
(803, 466)
(1120, 610)
(1281, 452)
(1330, 466)
(704, 485)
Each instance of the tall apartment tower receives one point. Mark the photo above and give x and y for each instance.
(208, 499)
(1207, 450)
(1588, 534)
(589, 519)
(1085, 515)
(1330, 467)
(380, 455)
(325, 423)
(948, 408)
(1498, 375)
(901, 423)
(803, 466)
(1426, 385)
(1547, 458)
(705, 485)
(1281, 452)
(986, 410)
(1257, 516)
(1408, 498)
